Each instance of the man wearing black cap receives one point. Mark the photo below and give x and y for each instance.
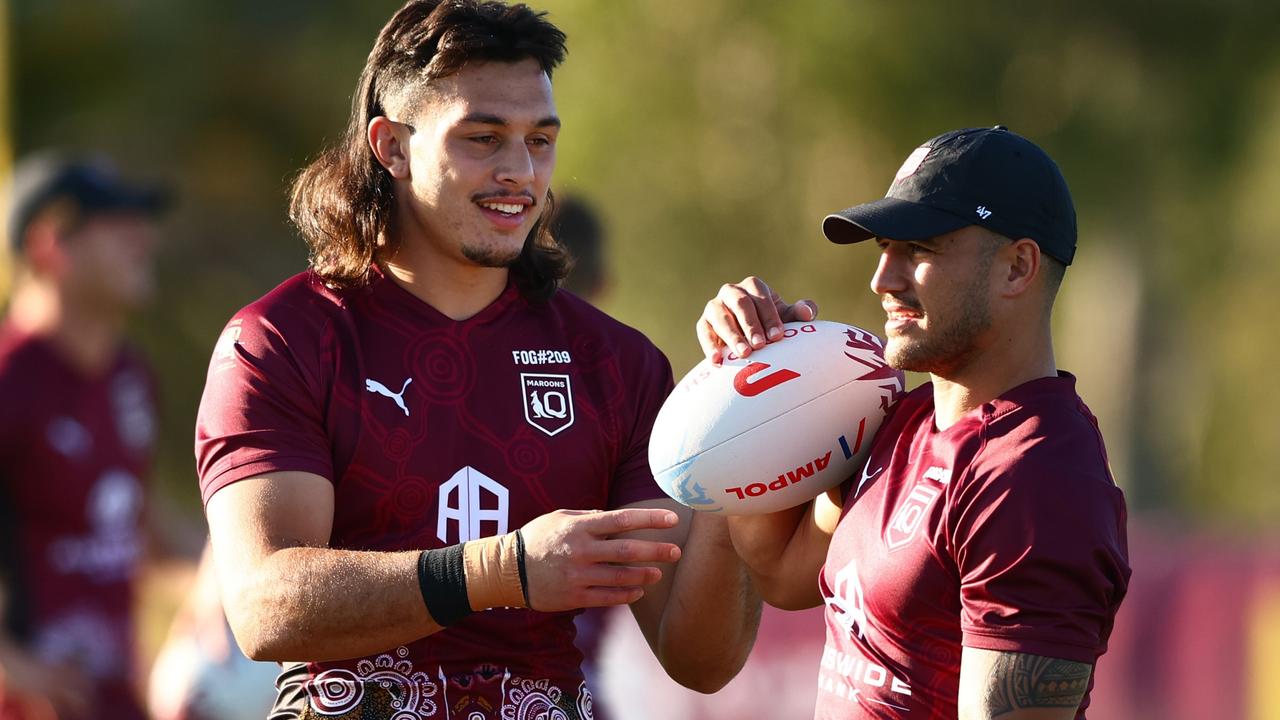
(973, 568)
(76, 429)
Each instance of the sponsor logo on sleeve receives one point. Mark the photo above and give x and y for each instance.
(224, 352)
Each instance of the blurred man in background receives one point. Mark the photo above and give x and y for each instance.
(77, 425)
(578, 228)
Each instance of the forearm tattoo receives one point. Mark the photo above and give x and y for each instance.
(1032, 681)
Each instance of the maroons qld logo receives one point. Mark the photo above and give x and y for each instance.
(906, 521)
(548, 401)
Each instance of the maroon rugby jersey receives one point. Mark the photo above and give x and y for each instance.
(1003, 532)
(73, 450)
(435, 431)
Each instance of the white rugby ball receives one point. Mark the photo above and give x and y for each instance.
(773, 430)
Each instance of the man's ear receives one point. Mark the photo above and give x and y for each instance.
(1022, 261)
(43, 248)
(390, 144)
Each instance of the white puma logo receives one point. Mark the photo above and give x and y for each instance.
(374, 386)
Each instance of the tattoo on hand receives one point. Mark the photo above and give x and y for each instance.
(1033, 681)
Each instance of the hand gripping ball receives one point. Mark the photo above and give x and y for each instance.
(775, 429)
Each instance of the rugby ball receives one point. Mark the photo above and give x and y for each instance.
(773, 430)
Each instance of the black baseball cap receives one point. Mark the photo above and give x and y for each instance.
(91, 184)
(991, 177)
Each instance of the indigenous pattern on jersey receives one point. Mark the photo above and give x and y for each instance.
(1003, 532)
(433, 432)
(73, 451)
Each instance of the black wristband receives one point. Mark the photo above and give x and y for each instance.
(442, 578)
(524, 576)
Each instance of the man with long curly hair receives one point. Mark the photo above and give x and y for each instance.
(419, 458)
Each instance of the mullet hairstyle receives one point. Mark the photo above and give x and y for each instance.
(343, 202)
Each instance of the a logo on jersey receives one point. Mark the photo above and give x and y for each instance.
(866, 476)
(374, 386)
(848, 672)
(86, 636)
(111, 550)
(846, 601)
(69, 437)
(906, 521)
(938, 474)
(548, 401)
(135, 421)
(467, 502)
(115, 503)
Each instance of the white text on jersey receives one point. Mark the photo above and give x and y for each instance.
(939, 474)
(540, 357)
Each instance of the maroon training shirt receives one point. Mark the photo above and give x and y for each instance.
(435, 431)
(73, 451)
(1003, 532)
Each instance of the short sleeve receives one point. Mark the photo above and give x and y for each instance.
(648, 389)
(263, 405)
(1040, 546)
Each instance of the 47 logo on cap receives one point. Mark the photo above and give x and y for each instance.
(548, 401)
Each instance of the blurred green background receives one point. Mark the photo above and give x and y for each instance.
(713, 135)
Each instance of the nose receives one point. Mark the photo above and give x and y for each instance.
(889, 276)
(515, 166)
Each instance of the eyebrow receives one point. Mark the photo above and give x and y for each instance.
(490, 119)
(930, 242)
